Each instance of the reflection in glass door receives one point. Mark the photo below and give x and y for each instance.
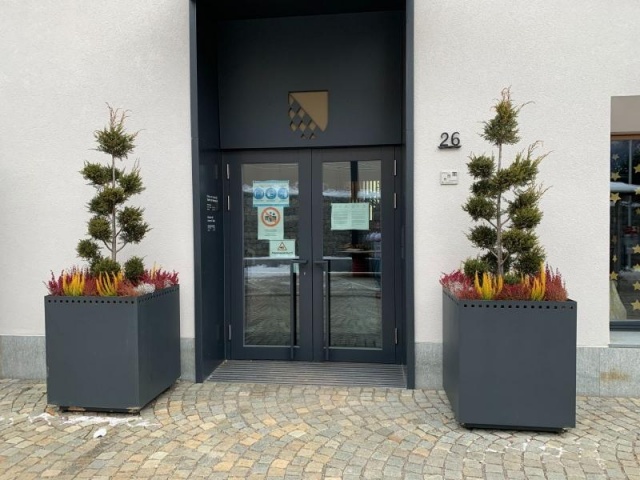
(354, 254)
(270, 242)
(270, 247)
(352, 246)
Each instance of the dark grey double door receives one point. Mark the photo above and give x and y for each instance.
(313, 254)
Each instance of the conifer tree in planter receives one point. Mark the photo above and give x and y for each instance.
(113, 224)
(509, 331)
(112, 335)
(506, 232)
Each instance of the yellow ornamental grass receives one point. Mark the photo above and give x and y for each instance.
(491, 286)
(154, 271)
(75, 287)
(107, 285)
(539, 287)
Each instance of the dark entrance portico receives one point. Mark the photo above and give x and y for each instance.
(261, 76)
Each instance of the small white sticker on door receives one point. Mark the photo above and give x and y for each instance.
(282, 248)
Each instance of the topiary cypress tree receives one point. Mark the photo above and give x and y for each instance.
(504, 200)
(113, 225)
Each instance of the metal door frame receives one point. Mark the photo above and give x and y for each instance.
(233, 161)
(310, 239)
(321, 156)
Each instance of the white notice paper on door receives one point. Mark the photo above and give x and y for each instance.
(350, 216)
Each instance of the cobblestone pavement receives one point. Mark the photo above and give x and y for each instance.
(268, 431)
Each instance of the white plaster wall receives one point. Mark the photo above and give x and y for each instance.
(568, 57)
(60, 61)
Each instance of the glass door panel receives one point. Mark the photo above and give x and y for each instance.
(353, 277)
(351, 239)
(270, 242)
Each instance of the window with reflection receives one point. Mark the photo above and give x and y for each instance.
(624, 246)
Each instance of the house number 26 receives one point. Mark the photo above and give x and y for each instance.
(450, 141)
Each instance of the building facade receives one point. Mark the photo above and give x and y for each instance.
(342, 108)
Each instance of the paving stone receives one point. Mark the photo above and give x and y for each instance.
(273, 431)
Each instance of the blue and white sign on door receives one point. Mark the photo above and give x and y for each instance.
(271, 193)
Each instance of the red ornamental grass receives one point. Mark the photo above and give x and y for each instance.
(459, 285)
(556, 289)
(160, 278)
(127, 289)
(518, 291)
(55, 284)
(90, 286)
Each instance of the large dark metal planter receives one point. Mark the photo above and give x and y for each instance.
(510, 364)
(111, 353)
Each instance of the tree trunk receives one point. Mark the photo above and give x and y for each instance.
(500, 260)
(113, 213)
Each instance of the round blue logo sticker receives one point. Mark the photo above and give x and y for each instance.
(283, 193)
(258, 193)
(270, 193)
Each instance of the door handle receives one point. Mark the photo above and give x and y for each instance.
(326, 305)
(293, 293)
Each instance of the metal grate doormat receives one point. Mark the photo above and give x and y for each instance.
(308, 373)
